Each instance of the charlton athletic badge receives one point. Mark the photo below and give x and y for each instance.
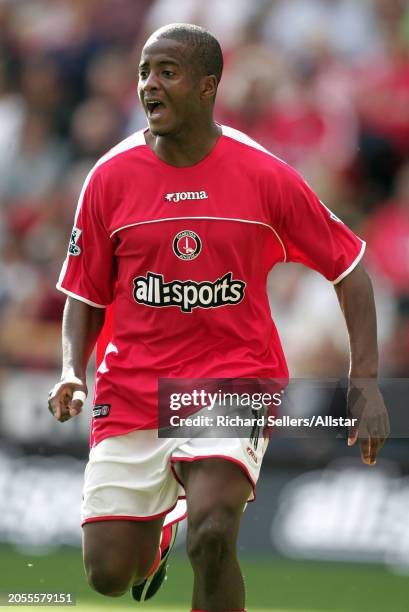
(187, 245)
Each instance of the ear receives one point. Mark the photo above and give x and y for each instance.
(208, 86)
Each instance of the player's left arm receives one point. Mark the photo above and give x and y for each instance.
(365, 402)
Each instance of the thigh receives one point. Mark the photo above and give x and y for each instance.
(241, 457)
(129, 476)
(128, 490)
(126, 547)
(214, 485)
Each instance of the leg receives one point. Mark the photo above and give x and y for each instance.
(216, 492)
(118, 554)
(126, 475)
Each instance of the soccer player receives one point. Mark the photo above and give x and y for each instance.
(176, 230)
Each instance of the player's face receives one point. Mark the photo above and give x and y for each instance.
(167, 88)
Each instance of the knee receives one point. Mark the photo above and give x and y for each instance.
(108, 580)
(211, 541)
(115, 575)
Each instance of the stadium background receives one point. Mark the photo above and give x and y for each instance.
(324, 84)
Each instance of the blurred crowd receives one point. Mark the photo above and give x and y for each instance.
(324, 84)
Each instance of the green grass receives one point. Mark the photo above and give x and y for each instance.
(95, 607)
(273, 585)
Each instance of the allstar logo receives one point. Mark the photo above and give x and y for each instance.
(181, 196)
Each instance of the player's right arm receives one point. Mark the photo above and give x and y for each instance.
(81, 327)
(87, 277)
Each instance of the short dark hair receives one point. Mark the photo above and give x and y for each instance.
(206, 51)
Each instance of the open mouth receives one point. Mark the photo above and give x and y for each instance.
(154, 107)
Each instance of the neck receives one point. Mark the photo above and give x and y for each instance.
(186, 148)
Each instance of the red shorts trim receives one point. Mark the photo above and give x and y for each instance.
(177, 520)
(201, 457)
(131, 518)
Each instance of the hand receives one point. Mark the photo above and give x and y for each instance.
(365, 403)
(66, 398)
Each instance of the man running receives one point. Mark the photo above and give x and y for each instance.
(176, 230)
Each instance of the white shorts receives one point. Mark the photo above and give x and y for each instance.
(136, 476)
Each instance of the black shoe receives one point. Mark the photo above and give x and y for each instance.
(151, 585)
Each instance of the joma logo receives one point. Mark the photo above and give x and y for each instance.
(180, 196)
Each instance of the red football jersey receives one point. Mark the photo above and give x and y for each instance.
(183, 254)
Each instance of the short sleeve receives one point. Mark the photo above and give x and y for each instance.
(312, 234)
(88, 270)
